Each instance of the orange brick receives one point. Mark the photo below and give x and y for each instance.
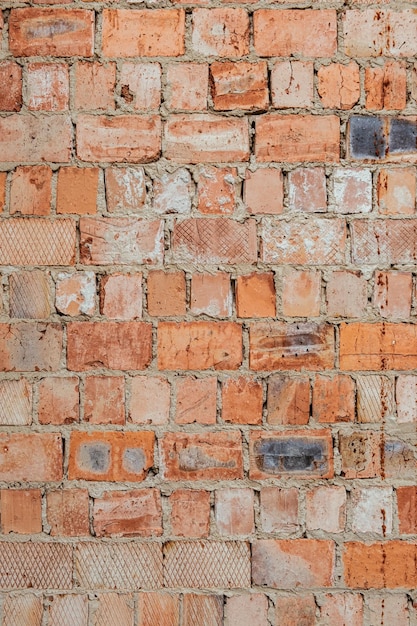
(67, 512)
(374, 33)
(339, 85)
(61, 606)
(407, 509)
(27, 138)
(114, 604)
(166, 293)
(110, 455)
(397, 191)
(94, 86)
(135, 513)
(346, 294)
(132, 33)
(75, 293)
(196, 400)
(234, 511)
(3, 181)
(141, 85)
(288, 400)
(361, 454)
(21, 511)
(301, 291)
(279, 510)
(149, 400)
(56, 32)
(27, 608)
(31, 457)
(292, 84)
(387, 565)
(263, 191)
(30, 347)
(120, 346)
(104, 400)
(255, 295)
(77, 190)
(31, 188)
(10, 86)
(190, 513)
(297, 138)
(58, 400)
(29, 295)
(239, 86)
(187, 86)
(306, 32)
(220, 32)
(242, 400)
(164, 605)
(326, 509)
(125, 189)
(47, 86)
(199, 345)
(307, 190)
(392, 294)
(334, 399)
(211, 294)
(196, 606)
(296, 609)
(216, 190)
(386, 87)
(121, 296)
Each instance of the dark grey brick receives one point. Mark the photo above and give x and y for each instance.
(366, 137)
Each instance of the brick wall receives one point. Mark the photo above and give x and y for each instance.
(208, 339)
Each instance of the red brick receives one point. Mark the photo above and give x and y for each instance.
(292, 84)
(67, 512)
(173, 193)
(234, 511)
(29, 567)
(342, 608)
(202, 610)
(386, 87)
(216, 190)
(21, 511)
(104, 400)
(288, 32)
(246, 610)
(75, 293)
(263, 191)
(31, 188)
(187, 86)
(58, 400)
(196, 400)
(31, 457)
(34, 241)
(384, 241)
(371, 510)
(166, 293)
(141, 85)
(307, 190)
(161, 606)
(206, 138)
(296, 346)
(77, 190)
(114, 345)
(30, 347)
(334, 399)
(117, 607)
(297, 138)
(121, 241)
(361, 454)
(239, 86)
(25, 138)
(220, 32)
(10, 85)
(3, 181)
(397, 191)
(94, 86)
(15, 402)
(346, 294)
(199, 345)
(407, 509)
(301, 291)
(121, 296)
(406, 398)
(190, 513)
(285, 564)
(279, 510)
(295, 609)
(392, 294)
(326, 509)
(255, 295)
(110, 455)
(375, 33)
(352, 190)
(136, 513)
(288, 400)
(211, 294)
(388, 565)
(29, 295)
(149, 400)
(202, 456)
(125, 189)
(47, 87)
(339, 85)
(242, 400)
(55, 32)
(143, 33)
(119, 139)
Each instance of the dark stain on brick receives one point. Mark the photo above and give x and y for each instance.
(291, 455)
(403, 136)
(366, 137)
(95, 457)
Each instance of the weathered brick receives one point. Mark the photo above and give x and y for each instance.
(384, 241)
(255, 295)
(47, 86)
(125, 189)
(75, 293)
(234, 511)
(187, 86)
(339, 85)
(31, 457)
(141, 85)
(10, 86)
(67, 512)
(15, 402)
(30, 347)
(334, 399)
(242, 400)
(326, 509)
(346, 294)
(239, 86)
(361, 454)
(288, 400)
(217, 190)
(114, 606)
(342, 608)
(375, 33)
(279, 510)
(28, 139)
(386, 87)
(220, 32)
(263, 191)
(407, 509)
(36, 565)
(374, 398)
(295, 609)
(31, 189)
(134, 513)
(397, 191)
(202, 610)
(387, 565)
(94, 86)
(173, 192)
(211, 294)
(196, 400)
(389, 609)
(162, 606)
(58, 400)
(392, 294)
(190, 513)
(3, 181)
(29, 295)
(398, 458)
(301, 291)
(149, 400)
(307, 190)
(121, 296)
(68, 607)
(77, 190)
(247, 609)
(104, 400)
(352, 190)
(371, 510)
(166, 293)
(292, 84)
(21, 511)
(406, 398)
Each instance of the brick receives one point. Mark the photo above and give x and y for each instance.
(247, 609)
(210, 242)
(31, 457)
(384, 241)
(371, 510)
(114, 608)
(67, 512)
(166, 293)
(397, 191)
(407, 509)
(10, 86)
(121, 296)
(334, 399)
(199, 345)
(374, 33)
(104, 400)
(297, 138)
(125, 189)
(352, 190)
(187, 86)
(283, 346)
(307, 190)
(234, 511)
(389, 609)
(295, 609)
(77, 190)
(295, 32)
(29, 295)
(15, 402)
(161, 606)
(143, 33)
(386, 87)
(190, 513)
(120, 241)
(27, 608)
(47, 87)
(216, 190)
(202, 456)
(51, 31)
(21, 511)
(202, 610)
(114, 345)
(222, 32)
(242, 400)
(211, 294)
(173, 192)
(366, 137)
(374, 399)
(118, 139)
(398, 459)
(392, 294)
(135, 513)
(3, 181)
(75, 293)
(288, 400)
(406, 398)
(149, 400)
(58, 400)
(339, 85)
(301, 291)
(206, 138)
(361, 454)
(28, 566)
(326, 509)
(346, 294)
(318, 241)
(31, 189)
(279, 510)
(342, 608)
(110, 456)
(30, 347)
(292, 84)
(255, 295)
(37, 242)
(284, 564)
(378, 346)
(65, 608)
(25, 138)
(141, 85)
(196, 400)
(239, 86)
(291, 454)
(263, 191)
(94, 86)
(387, 565)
